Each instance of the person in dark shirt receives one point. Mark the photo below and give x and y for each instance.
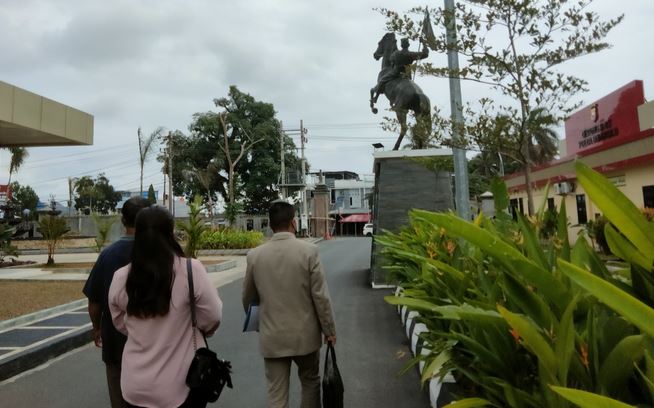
(96, 289)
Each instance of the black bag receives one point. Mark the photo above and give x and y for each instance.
(207, 375)
(332, 384)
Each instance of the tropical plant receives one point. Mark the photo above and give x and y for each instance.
(53, 229)
(18, 156)
(103, 225)
(146, 146)
(6, 249)
(194, 228)
(517, 317)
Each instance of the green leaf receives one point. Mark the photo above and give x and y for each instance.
(413, 304)
(562, 231)
(503, 252)
(619, 210)
(469, 403)
(628, 306)
(529, 302)
(565, 341)
(618, 366)
(532, 243)
(625, 249)
(533, 340)
(500, 194)
(587, 399)
(434, 366)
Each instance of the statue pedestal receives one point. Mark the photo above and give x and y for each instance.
(404, 180)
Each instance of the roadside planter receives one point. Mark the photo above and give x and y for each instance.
(413, 330)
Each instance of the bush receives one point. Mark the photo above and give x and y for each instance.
(226, 238)
(523, 322)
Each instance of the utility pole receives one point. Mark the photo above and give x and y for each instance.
(304, 216)
(171, 203)
(462, 194)
(282, 177)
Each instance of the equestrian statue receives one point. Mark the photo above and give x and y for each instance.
(394, 81)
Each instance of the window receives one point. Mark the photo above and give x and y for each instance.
(513, 205)
(333, 194)
(582, 217)
(550, 204)
(350, 201)
(648, 196)
(250, 225)
(264, 224)
(522, 206)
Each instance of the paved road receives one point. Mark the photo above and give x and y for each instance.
(371, 350)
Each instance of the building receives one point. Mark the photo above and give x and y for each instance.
(615, 136)
(28, 119)
(349, 195)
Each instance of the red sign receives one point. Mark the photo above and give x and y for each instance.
(5, 193)
(608, 122)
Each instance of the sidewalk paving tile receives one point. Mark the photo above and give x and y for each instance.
(21, 337)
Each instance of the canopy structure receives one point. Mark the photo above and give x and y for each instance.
(28, 119)
(356, 218)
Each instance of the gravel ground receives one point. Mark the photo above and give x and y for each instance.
(21, 297)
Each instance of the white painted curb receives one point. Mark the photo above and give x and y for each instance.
(413, 330)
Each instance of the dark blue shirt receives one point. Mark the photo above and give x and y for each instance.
(96, 289)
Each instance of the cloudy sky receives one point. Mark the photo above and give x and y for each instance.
(150, 63)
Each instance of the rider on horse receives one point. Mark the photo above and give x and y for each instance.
(401, 60)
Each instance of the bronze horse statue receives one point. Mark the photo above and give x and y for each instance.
(402, 93)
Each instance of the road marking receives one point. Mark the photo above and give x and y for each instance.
(44, 365)
(9, 348)
(46, 327)
(38, 343)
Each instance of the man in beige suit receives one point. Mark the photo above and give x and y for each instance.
(284, 276)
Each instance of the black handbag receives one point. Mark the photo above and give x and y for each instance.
(332, 383)
(207, 375)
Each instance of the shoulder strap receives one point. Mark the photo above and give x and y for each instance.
(191, 292)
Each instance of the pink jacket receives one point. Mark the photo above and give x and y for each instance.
(159, 350)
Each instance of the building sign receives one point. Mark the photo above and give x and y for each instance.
(5, 194)
(608, 122)
(618, 181)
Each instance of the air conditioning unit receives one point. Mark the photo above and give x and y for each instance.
(563, 188)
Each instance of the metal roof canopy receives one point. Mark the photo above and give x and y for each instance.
(28, 119)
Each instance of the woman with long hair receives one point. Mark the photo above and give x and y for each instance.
(149, 302)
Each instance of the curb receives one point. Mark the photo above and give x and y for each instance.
(34, 357)
(413, 330)
(45, 352)
(41, 314)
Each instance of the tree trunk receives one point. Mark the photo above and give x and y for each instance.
(530, 195)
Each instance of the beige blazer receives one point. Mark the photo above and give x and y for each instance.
(285, 277)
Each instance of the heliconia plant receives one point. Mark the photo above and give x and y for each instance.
(532, 322)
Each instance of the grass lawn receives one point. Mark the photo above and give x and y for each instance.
(22, 297)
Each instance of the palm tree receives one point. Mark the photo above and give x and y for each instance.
(18, 156)
(543, 143)
(145, 148)
(539, 144)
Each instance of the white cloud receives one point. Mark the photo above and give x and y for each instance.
(154, 63)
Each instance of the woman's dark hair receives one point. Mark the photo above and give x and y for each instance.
(150, 278)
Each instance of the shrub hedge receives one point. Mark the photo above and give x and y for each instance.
(226, 238)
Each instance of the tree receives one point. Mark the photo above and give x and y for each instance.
(23, 198)
(96, 195)
(18, 156)
(152, 199)
(53, 229)
(257, 173)
(146, 144)
(516, 47)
